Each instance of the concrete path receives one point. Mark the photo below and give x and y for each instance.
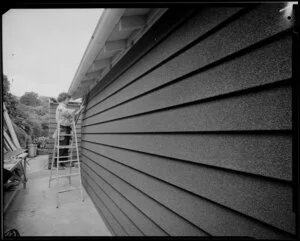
(33, 211)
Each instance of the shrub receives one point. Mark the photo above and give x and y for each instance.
(22, 136)
(41, 141)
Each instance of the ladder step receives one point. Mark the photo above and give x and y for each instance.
(68, 161)
(69, 189)
(67, 175)
(61, 157)
(64, 147)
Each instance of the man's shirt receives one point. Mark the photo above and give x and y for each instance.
(64, 116)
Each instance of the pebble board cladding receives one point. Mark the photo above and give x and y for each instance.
(53, 125)
(195, 138)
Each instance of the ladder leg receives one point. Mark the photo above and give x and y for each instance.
(57, 199)
(71, 157)
(57, 165)
(52, 160)
(58, 177)
(78, 162)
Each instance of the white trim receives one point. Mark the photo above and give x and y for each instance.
(110, 19)
(106, 23)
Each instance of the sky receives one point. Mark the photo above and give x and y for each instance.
(42, 48)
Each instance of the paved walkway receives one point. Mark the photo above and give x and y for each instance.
(33, 211)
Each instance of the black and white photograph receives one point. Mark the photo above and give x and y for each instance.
(151, 120)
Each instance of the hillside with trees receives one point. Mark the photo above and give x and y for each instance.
(29, 114)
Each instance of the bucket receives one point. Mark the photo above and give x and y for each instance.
(32, 150)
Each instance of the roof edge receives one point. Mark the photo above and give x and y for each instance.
(108, 19)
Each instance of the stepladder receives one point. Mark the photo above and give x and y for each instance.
(64, 164)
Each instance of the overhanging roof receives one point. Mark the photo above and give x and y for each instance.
(116, 32)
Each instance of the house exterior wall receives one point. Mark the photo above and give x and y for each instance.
(53, 125)
(192, 132)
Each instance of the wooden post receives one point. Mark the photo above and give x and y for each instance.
(10, 128)
(7, 138)
(7, 145)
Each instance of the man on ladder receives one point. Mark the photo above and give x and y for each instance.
(65, 119)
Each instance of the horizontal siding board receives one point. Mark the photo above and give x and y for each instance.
(269, 109)
(263, 199)
(207, 18)
(143, 222)
(266, 155)
(171, 223)
(250, 28)
(123, 219)
(228, 77)
(101, 208)
(210, 217)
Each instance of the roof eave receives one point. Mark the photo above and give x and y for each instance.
(106, 23)
(106, 48)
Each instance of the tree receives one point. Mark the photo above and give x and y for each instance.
(22, 136)
(18, 117)
(6, 86)
(36, 128)
(30, 114)
(30, 98)
(10, 100)
(41, 110)
(44, 101)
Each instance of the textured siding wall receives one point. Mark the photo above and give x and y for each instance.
(195, 138)
(53, 125)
